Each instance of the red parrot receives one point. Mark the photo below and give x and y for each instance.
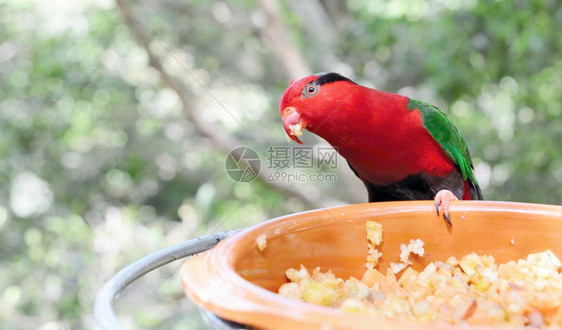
(402, 149)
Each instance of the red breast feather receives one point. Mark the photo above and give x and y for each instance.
(383, 140)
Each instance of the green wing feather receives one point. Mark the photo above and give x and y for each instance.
(447, 135)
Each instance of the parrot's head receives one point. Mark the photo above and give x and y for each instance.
(309, 102)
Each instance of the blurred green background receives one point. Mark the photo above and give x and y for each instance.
(116, 118)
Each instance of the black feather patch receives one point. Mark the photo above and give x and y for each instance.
(415, 187)
(326, 78)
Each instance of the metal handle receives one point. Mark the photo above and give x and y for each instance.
(103, 307)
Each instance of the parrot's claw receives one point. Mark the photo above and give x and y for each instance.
(442, 199)
(448, 218)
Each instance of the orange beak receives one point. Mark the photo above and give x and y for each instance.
(293, 123)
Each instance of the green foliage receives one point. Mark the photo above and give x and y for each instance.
(101, 164)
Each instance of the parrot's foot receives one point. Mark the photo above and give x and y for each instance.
(442, 199)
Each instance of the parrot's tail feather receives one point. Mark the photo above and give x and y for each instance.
(474, 188)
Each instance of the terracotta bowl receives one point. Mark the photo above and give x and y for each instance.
(237, 281)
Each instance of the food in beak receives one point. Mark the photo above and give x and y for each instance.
(296, 129)
(292, 122)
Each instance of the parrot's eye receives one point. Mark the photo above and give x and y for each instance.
(310, 89)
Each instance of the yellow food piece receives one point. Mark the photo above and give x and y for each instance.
(320, 294)
(415, 246)
(374, 232)
(261, 241)
(373, 258)
(374, 238)
(319, 288)
(356, 289)
(296, 129)
(397, 267)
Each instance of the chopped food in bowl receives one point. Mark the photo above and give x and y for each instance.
(471, 290)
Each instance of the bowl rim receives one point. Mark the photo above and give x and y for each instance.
(211, 281)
